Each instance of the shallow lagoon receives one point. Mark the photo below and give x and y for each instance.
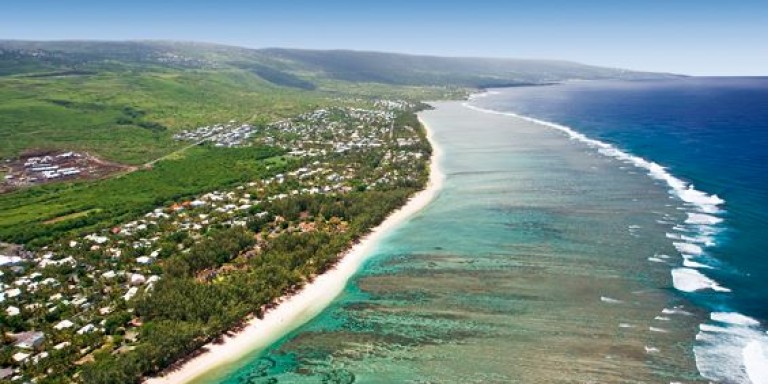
(531, 266)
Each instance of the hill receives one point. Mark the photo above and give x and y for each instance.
(294, 67)
(400, 69)
(123, 101)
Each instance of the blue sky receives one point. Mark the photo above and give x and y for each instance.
(705, 37)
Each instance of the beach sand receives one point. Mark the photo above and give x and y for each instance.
(297, 309)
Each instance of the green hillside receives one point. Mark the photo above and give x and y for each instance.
(389, 68)
(124, 100)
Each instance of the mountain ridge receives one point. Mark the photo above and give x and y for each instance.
(299, 68)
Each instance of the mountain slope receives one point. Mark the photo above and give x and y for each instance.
(73, 95)
(400, 69)
(293, 67)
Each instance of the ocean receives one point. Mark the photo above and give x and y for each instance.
(610, 232)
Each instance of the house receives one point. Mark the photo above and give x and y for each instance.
(62, 345)
(6, 373)
(20, 356)
(36, 359)
(109, 274)
(12, 311)
(131, 293)
(138, 279)
(28, 340)
(86, 329)
(64, 324)
(152, 280)
(143, 260)
(9, 260)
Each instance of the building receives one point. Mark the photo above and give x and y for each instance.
(28, 340)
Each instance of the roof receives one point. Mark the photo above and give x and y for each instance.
(63, 324)
(20, 356)
(5, 373)
(28, 340)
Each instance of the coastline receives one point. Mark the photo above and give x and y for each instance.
(297, 309)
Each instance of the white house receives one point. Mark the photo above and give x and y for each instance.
(86, 329)
(64, 324)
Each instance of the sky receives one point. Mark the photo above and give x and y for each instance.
(704, 37)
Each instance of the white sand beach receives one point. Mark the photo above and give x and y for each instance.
(297, 309)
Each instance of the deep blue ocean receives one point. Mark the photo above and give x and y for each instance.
(709, 132)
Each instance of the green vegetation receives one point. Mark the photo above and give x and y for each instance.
(74, 95)
(130, 117)
(127, 284)
(182, 315)
(36, 216)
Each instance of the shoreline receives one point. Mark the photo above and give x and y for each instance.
(297, 309)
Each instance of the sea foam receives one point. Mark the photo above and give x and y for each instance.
(702, 219)
(755, 362)
(734, 351)
(718, 356)
(675, 311)
(686, 192)
(688, 248)
(707, 241)
(610, 300)
(691, 280)
(734, 318)
(688, 262)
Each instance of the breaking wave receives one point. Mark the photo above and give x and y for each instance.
(731, 348)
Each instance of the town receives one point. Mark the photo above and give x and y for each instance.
(75, 299)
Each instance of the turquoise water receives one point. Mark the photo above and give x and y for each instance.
(540, 261)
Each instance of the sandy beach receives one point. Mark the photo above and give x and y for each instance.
(296, 310)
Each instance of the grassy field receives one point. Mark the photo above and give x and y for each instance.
(130, 117)
(39, 214)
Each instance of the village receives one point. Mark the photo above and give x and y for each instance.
(76, 297)
(221, 135)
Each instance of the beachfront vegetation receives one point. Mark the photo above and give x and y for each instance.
(204, 311)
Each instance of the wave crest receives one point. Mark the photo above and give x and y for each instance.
(733, 350)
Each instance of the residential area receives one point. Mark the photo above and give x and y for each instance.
(221, 135)
(69, 301)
